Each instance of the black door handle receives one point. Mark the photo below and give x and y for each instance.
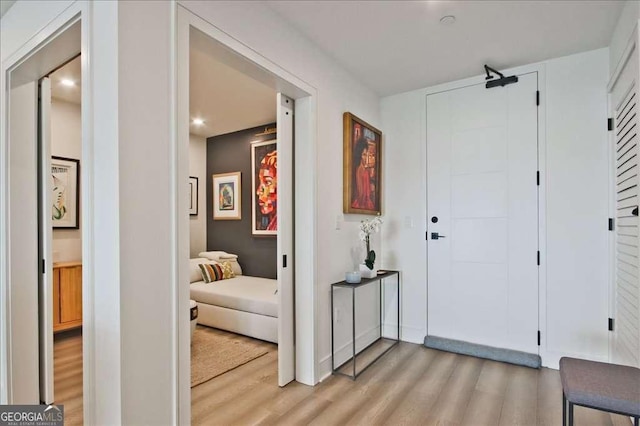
(436, 236)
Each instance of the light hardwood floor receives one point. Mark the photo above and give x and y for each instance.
(67, 369)
(411, 385)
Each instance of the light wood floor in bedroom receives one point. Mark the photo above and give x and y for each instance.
(410, 385)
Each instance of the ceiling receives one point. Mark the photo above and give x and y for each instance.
(70, 71)
(227, 100)
(397, 46)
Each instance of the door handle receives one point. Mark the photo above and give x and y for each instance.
(436, 236)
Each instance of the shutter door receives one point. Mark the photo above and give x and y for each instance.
(627, 304)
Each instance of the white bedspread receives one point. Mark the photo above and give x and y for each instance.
(242, 293)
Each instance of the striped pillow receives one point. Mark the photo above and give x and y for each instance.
(211, 272)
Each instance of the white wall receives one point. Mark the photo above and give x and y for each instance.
(262, 30)
(66, 141)
(576, 184)
(148, 243)
(629, 18)
(198, 168)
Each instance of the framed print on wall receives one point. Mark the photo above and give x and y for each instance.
(227, 196)
(65, 196)
(264, 185)
(193, 196)
(362, 166)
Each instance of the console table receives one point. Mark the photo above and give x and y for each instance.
(381, 339)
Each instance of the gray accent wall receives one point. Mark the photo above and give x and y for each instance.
(232, 153)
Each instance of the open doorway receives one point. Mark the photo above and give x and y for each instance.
(60, 129)
(241, 132)
(44, 145)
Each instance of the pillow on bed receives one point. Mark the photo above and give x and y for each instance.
(215, 271)
(235, 266)
(227, 270)
(194, 270)
(222, 256)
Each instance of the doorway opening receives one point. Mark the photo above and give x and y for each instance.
(45, 280)
(292, 95)
(241, 206)
(60, 140)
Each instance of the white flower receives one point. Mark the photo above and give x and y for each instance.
(369, 226)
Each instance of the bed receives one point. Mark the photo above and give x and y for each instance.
(244, 305)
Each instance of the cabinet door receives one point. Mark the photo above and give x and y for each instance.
(56, 297)
(71, 294)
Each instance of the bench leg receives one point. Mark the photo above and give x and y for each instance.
(564, 410)
(570, 414)
(636, 421)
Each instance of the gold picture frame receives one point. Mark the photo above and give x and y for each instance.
(362, 167)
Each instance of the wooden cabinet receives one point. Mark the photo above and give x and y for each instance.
(67, 295)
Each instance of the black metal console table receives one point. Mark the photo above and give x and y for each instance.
(365, 281)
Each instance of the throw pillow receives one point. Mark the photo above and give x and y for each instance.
(227, 270)
(211, 272)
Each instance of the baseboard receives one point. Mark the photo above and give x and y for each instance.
(344, 352)
(483, 351)
(551, 359)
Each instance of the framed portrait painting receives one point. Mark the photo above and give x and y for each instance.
(65, 196)
(227, 195)
(193, 196)
(362, 166)
(264, 181)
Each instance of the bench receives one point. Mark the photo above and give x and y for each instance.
(606, 387)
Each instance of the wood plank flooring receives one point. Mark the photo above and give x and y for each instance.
(67, 368)
(411, 385)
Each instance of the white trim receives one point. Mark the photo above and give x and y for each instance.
(540, 69)
(305, 189)
(626, 54)
(35, 43)
(178, 220)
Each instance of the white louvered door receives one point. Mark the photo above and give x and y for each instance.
(626, 338)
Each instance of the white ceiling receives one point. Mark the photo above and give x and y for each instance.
(227, 100)
(70, 71)
(396, 46)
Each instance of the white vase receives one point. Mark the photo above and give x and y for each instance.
(365, 272)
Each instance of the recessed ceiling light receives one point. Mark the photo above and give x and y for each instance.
(67, 82)
(447, 20)
(198, 121)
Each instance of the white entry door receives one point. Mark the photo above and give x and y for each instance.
(482, 206)
(286, 350)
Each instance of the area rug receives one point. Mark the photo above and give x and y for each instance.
(213, 354)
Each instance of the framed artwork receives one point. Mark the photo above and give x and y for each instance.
(362, 164)
(264, 185)
(193, 196)
(227, 196)
(65, 195)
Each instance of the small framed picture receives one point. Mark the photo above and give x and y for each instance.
(362, 166)
(193, 196)
(65, 195)
(227, 195)
(264, 182)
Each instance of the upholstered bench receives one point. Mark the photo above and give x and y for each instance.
(605, 387)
